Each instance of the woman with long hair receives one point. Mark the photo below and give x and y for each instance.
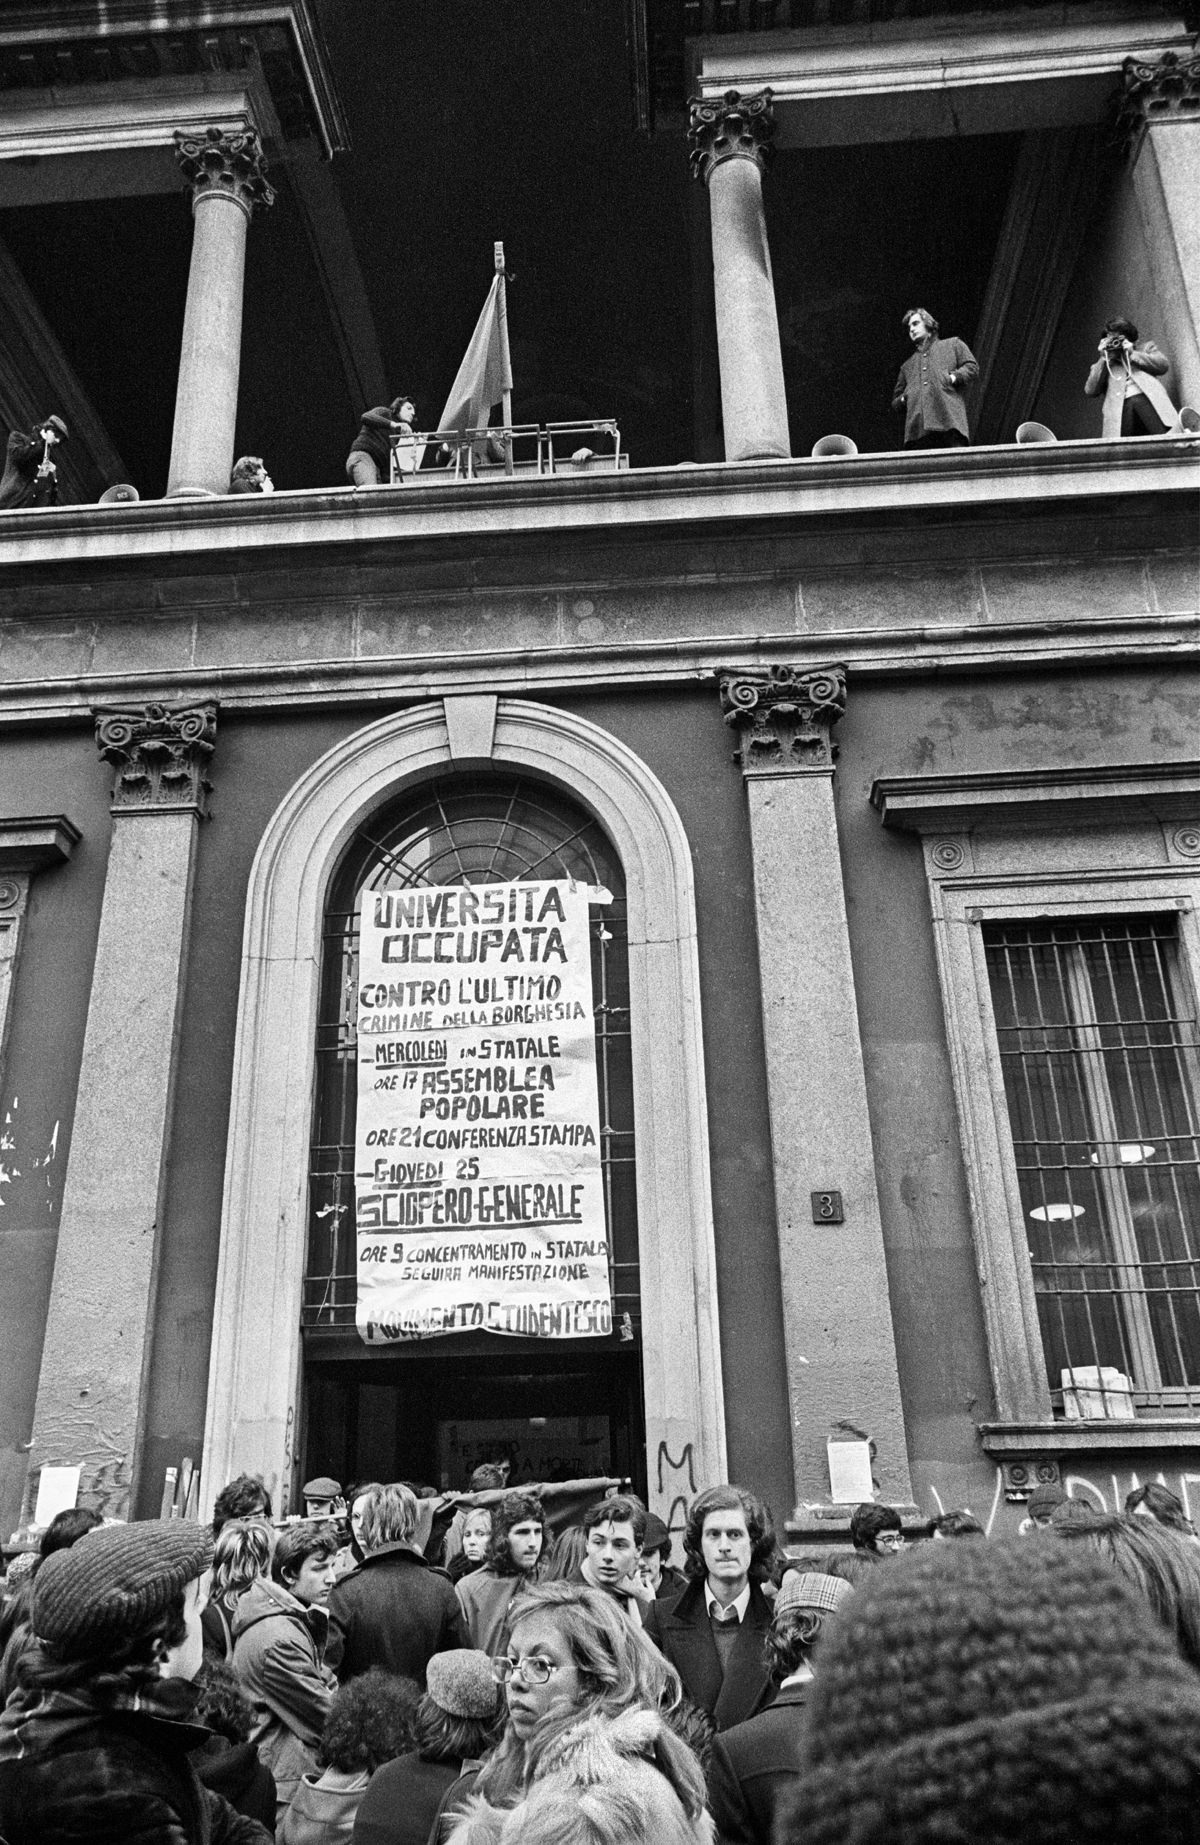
(241, 1554)
(586, 1696)
(1161, 1564)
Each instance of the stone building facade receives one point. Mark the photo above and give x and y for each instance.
(889, 759)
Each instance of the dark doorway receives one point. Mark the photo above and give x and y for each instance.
(432, 1416)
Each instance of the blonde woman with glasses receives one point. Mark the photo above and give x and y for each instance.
(587, 1758)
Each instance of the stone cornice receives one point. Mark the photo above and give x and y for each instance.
(160, 753)
(948, 482)
(783, 717)
(102, 41)
(1047, 797)
(31, 842)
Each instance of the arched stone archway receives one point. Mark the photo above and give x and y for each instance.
(254, 1367)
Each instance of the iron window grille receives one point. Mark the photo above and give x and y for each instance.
(467, 830)
(1099, 1049)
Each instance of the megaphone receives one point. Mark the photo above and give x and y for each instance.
(837, 448)
(1035, 432)
(1189, 420)
(120, 495)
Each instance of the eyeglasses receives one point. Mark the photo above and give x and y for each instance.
(890, 1540)
(534, 1669)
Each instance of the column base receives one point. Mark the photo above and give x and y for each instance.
(193, 493)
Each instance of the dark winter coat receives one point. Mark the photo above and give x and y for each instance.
(931, 386)
(277, 1649)
(764, 1754)
(682, 1632)
(19, 484)
(393, 1611)
(238, 1774)
(110, 1764)
(403, 1800)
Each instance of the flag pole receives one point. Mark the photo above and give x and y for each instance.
(506, 400)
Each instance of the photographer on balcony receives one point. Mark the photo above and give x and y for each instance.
(1127, 374)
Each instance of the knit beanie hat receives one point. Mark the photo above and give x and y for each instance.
(976, 1694)
(462, 1684)
(1044, 1498)
(114, 1582)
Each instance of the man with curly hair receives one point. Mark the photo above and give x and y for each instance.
(515, 1552)
(713, 1633)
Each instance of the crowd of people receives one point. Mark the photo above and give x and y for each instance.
(375, 1674)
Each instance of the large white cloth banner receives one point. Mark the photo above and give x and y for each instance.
(480, 1201)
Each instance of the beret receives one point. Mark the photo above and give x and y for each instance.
(115, 1581)
(461, 1682)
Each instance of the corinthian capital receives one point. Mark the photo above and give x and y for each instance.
(731, 127)
(160, 753)
(784, 717)
(1167, 90)
(230, 166)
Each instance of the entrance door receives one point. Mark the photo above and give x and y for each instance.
(432, 1417)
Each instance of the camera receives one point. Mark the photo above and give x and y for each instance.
(1114, 342)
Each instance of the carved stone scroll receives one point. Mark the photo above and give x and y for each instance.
(730, 127)
(784, 717)
(231, 165)
(160, 754)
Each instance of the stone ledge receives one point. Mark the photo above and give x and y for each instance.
(1003, 1439)
(946, 481)
(33, 842)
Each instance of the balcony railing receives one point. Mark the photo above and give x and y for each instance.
(498, 451)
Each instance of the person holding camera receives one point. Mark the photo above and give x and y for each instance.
(1127, 374)
(30, 475)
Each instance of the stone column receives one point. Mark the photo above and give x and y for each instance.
(227, 176)
(730, 143)
(1161, 118)
(841, 1354)
(90, 1401)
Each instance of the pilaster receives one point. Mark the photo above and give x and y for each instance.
(26, 846)
(1160, 123)
(90, 1401)
(840, 1348)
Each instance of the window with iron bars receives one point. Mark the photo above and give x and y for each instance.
(1099, 1048)
(467, 830)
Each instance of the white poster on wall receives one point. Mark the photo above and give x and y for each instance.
(479, 1195)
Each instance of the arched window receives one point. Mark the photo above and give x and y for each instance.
(462, 829)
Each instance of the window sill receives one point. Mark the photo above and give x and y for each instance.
(1010, 1439)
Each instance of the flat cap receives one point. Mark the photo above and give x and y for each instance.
(322, 1488)
(808, 1589)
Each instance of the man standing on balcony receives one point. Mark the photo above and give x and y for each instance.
(931, 384)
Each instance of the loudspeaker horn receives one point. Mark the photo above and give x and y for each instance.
(1189, 420)
(838, 448)
(1035, 432)
(120, 495)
